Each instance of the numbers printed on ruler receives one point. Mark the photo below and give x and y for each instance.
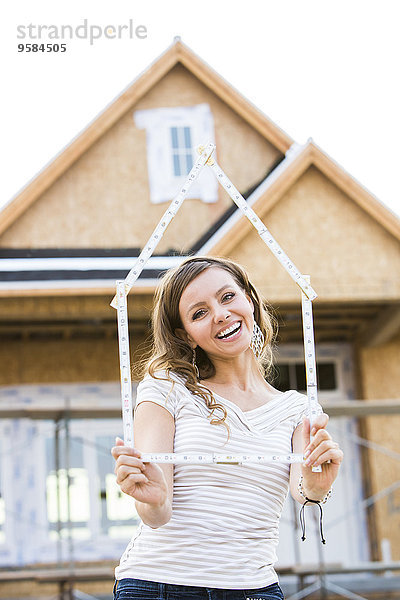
(229, 459)
(125, 365)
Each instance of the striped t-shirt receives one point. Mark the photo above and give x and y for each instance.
(224, 526)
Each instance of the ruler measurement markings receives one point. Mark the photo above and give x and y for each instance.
(214, 458)
(125, 364)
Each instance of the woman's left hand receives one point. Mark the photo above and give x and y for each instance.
(321, 450)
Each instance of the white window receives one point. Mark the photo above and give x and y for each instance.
(172, 138)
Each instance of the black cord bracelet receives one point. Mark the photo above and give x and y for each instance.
(303, 520)
(318, 502)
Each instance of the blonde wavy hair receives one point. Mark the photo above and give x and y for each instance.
(172, 355)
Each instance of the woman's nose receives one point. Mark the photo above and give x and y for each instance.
(221, 314)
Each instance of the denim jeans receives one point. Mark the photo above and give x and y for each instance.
(139, 589)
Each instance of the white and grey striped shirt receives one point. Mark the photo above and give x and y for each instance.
(224, 526)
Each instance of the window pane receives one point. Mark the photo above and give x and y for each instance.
(300, 377)
(174, 137)
(181, 141)
(326, 376)
(78, 496)
(188, 142)
(118, 512)
(189, 163)
(120, 507)
(58, 492)
(281, 380)
(177, 166)
(75, 452)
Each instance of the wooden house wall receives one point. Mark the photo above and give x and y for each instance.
(58, 361)
(74, 339)
(84, 359)
(380, 380)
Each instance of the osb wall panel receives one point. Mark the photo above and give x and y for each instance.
(58, 308)
(381, 379)
(62, 361)
(328, 236)
(103, 199)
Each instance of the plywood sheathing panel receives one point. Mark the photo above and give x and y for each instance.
(328, 236)
(103, 199)
(381, 379)
(63, 360)
(71, 308)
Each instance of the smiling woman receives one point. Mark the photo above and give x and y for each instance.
(206, 370)
(189, 338)
(185, 303)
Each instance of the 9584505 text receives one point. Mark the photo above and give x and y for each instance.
(42, 47)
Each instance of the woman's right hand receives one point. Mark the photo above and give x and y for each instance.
(143, 481)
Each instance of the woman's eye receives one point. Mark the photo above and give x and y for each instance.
(225, 298)
(197, 314)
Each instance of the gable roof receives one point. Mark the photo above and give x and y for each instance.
(176, 53)
(268, 193)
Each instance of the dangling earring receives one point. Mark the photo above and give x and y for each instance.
(257, 341)
(196, 368)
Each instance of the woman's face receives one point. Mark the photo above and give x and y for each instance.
(216, 313)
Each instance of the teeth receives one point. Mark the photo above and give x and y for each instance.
(229, 330)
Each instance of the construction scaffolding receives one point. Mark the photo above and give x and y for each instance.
(311, 581)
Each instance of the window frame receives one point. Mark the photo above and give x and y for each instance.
(157, 123)
(88, 549)
(292, 354)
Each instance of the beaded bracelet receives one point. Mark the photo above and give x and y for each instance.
(302, 493)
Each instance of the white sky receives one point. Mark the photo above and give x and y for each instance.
(322, 69)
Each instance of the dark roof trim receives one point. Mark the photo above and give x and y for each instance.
(74, 275)
(76, 253)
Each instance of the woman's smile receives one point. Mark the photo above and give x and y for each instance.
(232, 332)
